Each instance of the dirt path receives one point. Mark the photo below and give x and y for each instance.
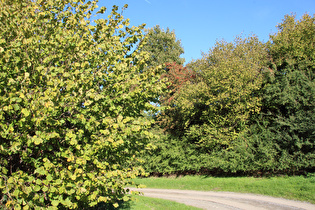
(224, 200)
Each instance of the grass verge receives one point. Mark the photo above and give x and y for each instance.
(138, 202)
(290, 187)
(146, 203)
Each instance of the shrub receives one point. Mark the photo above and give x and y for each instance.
(71, 96)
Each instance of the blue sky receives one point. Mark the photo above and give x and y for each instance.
(200, 23)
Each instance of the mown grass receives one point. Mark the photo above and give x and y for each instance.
(146, 203)
(290, 187)
(138, 202)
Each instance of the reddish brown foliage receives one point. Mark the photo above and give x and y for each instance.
(177, 76)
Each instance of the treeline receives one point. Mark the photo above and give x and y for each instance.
(77, 115)
(245, 107)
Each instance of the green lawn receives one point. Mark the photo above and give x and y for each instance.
(290, 187)
(138, 202)
(146, 203)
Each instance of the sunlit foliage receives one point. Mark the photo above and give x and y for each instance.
(71, 97)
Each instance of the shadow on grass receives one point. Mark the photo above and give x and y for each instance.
(221, 173)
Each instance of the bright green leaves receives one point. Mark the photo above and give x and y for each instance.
(214, 108)
(36, 188)
(41, 171)
(25, 112)
(49, 177)
(37, 140)
(294, 44)
(70, 116)
(250, 108)
(71, 138)
(55, 202)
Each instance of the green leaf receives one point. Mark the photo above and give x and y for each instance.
(53, 101)
(26, 207)
(73, 141)
(16, 107)
(52, 208)
(126, 198)
(11, 180)
(36, 188)
(16, 193)
(41, 171)
(58, 181)
(55, 202)
(49, 177)
(67, 202)
(38, 141)
(25, 112)
(52, 189)
(27, 190)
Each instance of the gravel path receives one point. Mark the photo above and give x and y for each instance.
(224, 200)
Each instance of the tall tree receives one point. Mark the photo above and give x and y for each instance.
(163, 47)
(289, 93)
(71, 97)
(215, 108)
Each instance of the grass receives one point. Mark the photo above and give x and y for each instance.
(146, 203)
(138, 202)
(290, 187)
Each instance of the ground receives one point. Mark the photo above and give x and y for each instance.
(224, 200)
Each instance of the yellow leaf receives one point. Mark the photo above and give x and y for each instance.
(8, 204)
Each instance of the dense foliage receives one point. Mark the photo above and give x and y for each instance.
(177, 78)
(77, 112)
(248, 109)
(71, 97)
(288, 109)
(162, 46)
(215, 106)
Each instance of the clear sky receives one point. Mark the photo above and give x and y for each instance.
(200, 23)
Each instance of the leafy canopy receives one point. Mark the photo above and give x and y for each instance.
(71, 96)
(288, 108)
(163, 47)
(249, 108)
(215, 106)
